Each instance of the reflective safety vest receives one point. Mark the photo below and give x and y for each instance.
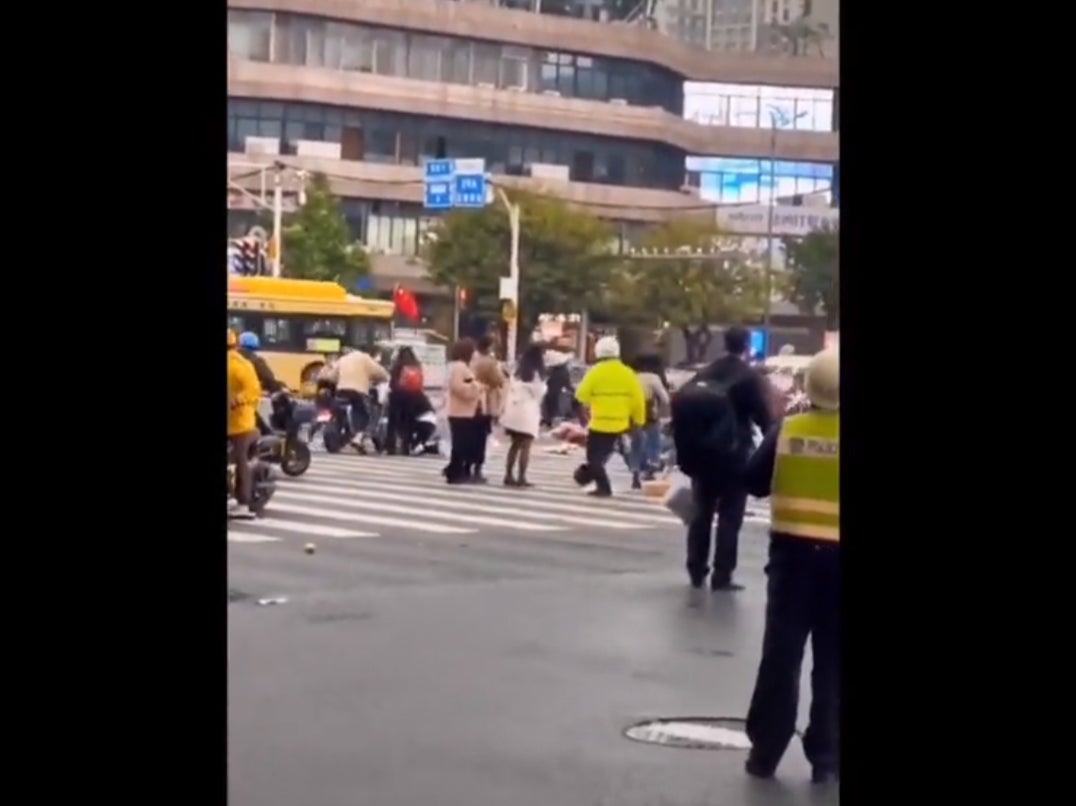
(806, 493)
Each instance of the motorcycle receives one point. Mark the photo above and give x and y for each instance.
(333, 419)
(263, 487)
(287, 444)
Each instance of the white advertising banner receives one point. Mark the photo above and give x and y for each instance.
(753, 219)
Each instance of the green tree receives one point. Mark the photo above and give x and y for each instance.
(814, 273)
(684, 285)
(318, 244)
(564, 259)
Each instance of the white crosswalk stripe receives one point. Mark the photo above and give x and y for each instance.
(346, 497)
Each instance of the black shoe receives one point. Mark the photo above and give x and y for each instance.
(824, 775)
(600, 493)
(719, 583)
(635, 483)
(510, 482)
(756, 767)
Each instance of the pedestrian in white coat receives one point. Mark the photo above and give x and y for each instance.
(522, 414)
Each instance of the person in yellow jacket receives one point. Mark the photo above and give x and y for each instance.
(617, 403)
(798, 466)
(244, 392)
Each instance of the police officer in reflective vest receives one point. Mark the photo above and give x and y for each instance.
(798, 466)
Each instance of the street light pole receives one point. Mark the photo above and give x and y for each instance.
(512, 290)
(278, 215)
(767, 311)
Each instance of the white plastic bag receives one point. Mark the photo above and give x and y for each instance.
(680, 501)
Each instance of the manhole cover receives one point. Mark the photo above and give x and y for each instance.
(692, 733)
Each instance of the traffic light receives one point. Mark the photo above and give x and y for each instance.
(247, 257)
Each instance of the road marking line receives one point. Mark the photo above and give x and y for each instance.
(235, 536)
(304, 528)
(416, 508)
(430, 501)
(649, 514)
(360, 517)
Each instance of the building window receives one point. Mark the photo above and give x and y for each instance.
(250, 34)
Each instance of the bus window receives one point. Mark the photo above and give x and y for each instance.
(325, 327)
(277, 333)
(369, 331)
(237, 323)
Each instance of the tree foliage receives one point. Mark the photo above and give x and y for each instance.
(318, 244)
(814, 274)
(564, 260)
(686, 286)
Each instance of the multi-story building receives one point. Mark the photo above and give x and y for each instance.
(590, 110)
(750, 25)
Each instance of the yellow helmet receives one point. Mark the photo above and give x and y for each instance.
(233, 340)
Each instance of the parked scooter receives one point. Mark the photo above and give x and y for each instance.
(287, 444)
(333, 419)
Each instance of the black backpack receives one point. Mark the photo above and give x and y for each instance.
(705, 429)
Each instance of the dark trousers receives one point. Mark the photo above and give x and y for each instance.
(803, 593)
(401, 415)
(600, 446)
(461, 433)
(244, 478)
(482, 428)
(728, 501)
(359, 415)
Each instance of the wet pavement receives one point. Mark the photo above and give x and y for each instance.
(490, 670)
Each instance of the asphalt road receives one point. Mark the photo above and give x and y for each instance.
(482, 647)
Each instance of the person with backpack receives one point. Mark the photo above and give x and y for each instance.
(712, 418)
(406, 384)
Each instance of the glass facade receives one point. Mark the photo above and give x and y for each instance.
(750, 106)
(598, 10)
(728, 180)
(317, 42)
(405, 139)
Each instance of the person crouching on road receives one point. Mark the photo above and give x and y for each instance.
(354, 373)
(462, 394)
(798, 466)
(244, 392)
(522, 414)
(617, 404)
(487, 369)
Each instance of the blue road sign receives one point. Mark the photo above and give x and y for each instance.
(437, 185)
(450, 183)
(470, 190)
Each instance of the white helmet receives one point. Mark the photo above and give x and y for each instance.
(607, 347)
(823, 380)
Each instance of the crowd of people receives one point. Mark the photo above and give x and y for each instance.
(713, 417)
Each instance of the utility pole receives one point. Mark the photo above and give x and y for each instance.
(510, 290)
(278, 216)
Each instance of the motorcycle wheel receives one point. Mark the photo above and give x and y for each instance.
(334, 441)
(296, 459)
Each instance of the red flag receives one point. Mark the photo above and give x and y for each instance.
(406, 303)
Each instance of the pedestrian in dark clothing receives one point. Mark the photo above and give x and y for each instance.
(559, 381)
(717, 484)
(798, 466)
(405, 400)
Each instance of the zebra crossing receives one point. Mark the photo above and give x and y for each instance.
(351, 497)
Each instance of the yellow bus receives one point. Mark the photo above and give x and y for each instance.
(300, 322)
